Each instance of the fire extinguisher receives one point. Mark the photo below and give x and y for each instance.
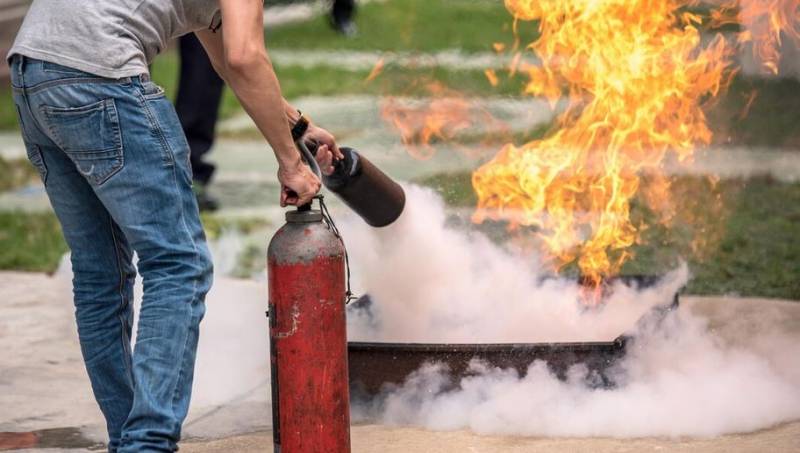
(308, 290)
(308, 338)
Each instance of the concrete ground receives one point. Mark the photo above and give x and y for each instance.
(44, 389)
(372, 438)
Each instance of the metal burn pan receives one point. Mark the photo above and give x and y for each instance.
(375, 365)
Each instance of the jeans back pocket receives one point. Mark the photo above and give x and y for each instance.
(90, 135)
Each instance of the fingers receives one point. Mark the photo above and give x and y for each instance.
(325, 159)
(337, 152)
(288, 197)
(299, 184)
(324, 137)
(307, 196)
(331, 143)
(305, 199)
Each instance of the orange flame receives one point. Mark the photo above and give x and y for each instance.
(765, 23)
(634, 75)
(491, 76)
(377, 69)
(441, 117)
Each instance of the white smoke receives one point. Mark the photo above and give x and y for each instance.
(430, 283)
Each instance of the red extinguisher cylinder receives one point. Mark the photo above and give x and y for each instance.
(308, 337)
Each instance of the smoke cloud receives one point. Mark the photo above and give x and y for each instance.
(682, 377)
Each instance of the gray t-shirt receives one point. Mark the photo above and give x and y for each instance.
(110, 38)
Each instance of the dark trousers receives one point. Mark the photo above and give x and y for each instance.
(343, 10)
(197, 103)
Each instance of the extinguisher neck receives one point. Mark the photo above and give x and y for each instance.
(304, 214)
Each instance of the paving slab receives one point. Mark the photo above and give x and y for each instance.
(385, 439)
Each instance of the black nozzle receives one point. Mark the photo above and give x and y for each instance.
(366, 189)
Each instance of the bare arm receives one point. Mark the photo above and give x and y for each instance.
(239, 56)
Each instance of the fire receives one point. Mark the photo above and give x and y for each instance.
(765, 22)
(376, 70)
(442, 116)
(635, 75)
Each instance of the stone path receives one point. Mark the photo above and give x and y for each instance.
(354, 60)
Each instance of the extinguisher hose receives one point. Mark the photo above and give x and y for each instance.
(309, 157)
(326, 217)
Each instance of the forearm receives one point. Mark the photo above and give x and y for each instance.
(239, 56)
(258, 90)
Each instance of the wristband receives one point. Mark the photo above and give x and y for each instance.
(300, 127)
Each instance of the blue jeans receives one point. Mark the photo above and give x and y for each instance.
(115, 165)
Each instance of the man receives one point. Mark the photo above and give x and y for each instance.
(115, 164)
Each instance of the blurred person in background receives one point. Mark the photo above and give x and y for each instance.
(342, 12)
(200, 94)
(110, 150)
(197, 103)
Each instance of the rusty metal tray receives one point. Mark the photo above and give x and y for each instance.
(375, 365)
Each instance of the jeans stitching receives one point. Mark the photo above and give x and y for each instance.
(122, 302)
(166, 155)
(184, 358)
(176, 186)
(75, 80)
(108, 106)
(40, 165)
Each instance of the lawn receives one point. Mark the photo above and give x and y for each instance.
(30, 241)
(33, 241)
(410, 25)
(747, 244)
(299, 81)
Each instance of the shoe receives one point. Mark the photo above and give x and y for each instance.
(346, 27)
(205, 201)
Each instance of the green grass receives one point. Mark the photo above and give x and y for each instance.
(771, 120)
(16, 173)
(330, 81)
(410, 25)
(8, 114)
(215, 225)
(30, 241)
(749, 240)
